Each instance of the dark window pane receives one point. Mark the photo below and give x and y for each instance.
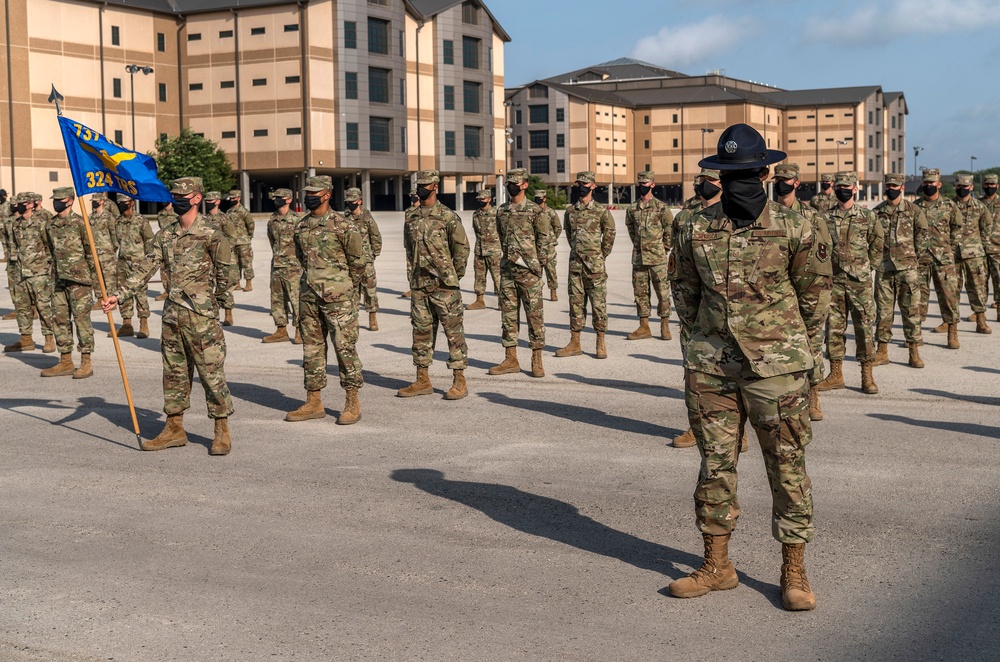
(259, 133)
(256, 31)
(225, 34)
(352, 135)
(228, 134)
(116, 87)
(161, 42)
(351, 84)
(470, 52)
(380, 133)
(194, 87)
(561, 166)
(163, 91)
(471, 93)
(119, 138)
(560, 140)
(538, 165)
(470, 13)
(293, 131)
(449, 143)
(194, 37)
(116, 39)
(378, 36)
(227, 84)
(448, 51)
(560, 114)
(292, 79)
(257, 82)
(449, 97)
(538, 140)
(350, 34)
(292, 27)
(378, 85)
(473, 142)
(538, 114)
(517, 117)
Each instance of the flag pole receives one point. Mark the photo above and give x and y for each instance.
(111, 323)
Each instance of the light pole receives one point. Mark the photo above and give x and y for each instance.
(972, 170)
(703, 132)
(839, 143)
(509, 131)
(916, 153)
(132, 70)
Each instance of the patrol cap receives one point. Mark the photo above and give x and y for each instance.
(517, 175)
(709, 173)
(932, 175)
(541, 193)
(826, 177)
(895, 179)
(741, 147)
(124, 198)
(484, 194)
(428, 177)
(645, 177)
(991, 179)
(186, 185)
(3, 191)
(99, 197)
(34, 197)
(235, 193)
(846, 178)
(23, 197)
(63, 192)
(786, 171)
(586, 176)
(318, 183)
(964, 180)
(352, 194)
(213, 195)
(281, 193)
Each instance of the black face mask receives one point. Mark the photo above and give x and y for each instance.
(95, 205)
(743, 196)
(482, 204)
(513, 190)
(930, 190)
(583, 191)
(844, 194)
(826, 186)
(423, 192)
(989, 190)
(706, 190)
(643, 189)
(352, 206)
(212, 206)
(123, 207)
(20, 208)
(414, 199)
(893, 193)
(313, 202)
(3, 199)
(963, 191)
(182, 205)
(279, 203)
(58, 206)
(783, 188)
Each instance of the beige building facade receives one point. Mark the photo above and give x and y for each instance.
(367, 91)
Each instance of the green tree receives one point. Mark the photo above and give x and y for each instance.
(553, 198)
(191, 155)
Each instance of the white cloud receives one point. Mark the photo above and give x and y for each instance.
(674, 47)
(884, 20)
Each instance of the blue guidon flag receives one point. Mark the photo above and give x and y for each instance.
(99, 165)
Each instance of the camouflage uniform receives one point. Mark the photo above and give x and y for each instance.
(371, 238)
(7, 218)
(198, 261)
(992, 246)
(244, 226)
(486, 257)
(35, 272)
(858, 239)
(523, 231)
(331, 252)
(590, 230)
(106, 242)
(970, 254)
(437, 253)
(135, 241)
(166, 217)
(897, 276)
(555, 229)
(824, 202)
(649, 225)
(286, 270)
(74, 277)
(944, 227)
(224, 224)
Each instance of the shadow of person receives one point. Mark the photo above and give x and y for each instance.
(974, 429)
(624, 385)
(248, 331)
(976, 399)
(439, 356)
(265, 396)
(84, 407)
(562, 522)
(979, 368)
(658, 359)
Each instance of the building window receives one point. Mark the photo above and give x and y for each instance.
(162, 89)
(402, 91)
(471, 95)
(228, 134)
(538, 114)
(293, 131)
(257, 82)
(119, 137)
(517, 117)
(378, 36)
(351, 84)
(161, 42)
(200, 134)
(538, 92)
(647, 168)
(675, 168)
(352, 135)
(225, 34)
(380, 134)
(382, 3)
(378, 85)
(674, 143)
(893, 164)
(645, 119)
(538, 165)
(560, 166)
(116, 36)
(292, 79)
(449, 97)
(448, 51)
(470, 52)
(473, 142)
(675, 118)
(645, 144)
(195, 36)
(402, 139)
(470, 13)
(350, 35)
(894, 144)
(257, 31)
(538, 139)
(116, 88)
(194, 87)
(292, 27)
(259, 133)
(829, 115)
(520, 164)
(560, 114)
(449, 143)
(227, 84)
(871, 165)
(871, 142)
(519, 143)
(402, 42)
(560, 140)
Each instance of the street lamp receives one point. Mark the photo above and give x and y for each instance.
(972, 170)
(703, 132)
(839, 143)
(132, 70)
(916, 153)
(509, 130)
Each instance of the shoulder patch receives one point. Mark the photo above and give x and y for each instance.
(822, 253)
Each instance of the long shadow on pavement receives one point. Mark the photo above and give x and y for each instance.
(115, 413)
(976, 399)
(964, 428)
(438, 356)
(979, 368)
(562, 522)
(658, 359)
(622, 385)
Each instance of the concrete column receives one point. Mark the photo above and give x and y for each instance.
(399, 193)
(500, 190)
(881, 189)
(366, 186)
(459, 193)
(632, 194)
(245, 188)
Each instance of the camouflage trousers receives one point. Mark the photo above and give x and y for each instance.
(550, 271)
(584, 286)
(285, 285)
(19, 297)
(973, 272)
(339, 319)
(904, 287)
(244, 261)
(188, 341)
(994, 266)
(226, 301)
(480, 265)
(37, 293)
(642, 278)
(778, 410)
(520, 288)
(71, 303)
(138, 302)
(854, 298)
(109, 270)
(945, 277)
(428, 309)
(368, 289)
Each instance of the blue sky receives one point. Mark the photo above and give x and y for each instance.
(943, 55)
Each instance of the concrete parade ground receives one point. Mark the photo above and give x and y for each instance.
(536, 519)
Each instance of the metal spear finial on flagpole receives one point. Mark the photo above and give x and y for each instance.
(55, 97)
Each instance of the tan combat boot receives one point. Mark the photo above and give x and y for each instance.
(352, 408)
(64, 368)
(222, 444)
(12, 315)
(835, 380)
(249, 286)
(815, 410)
(86, 368)
(280, 335)
(981, 326)
(940, 328)
(915, 360)
(50, 344)
(602, 351)
(373, 321)
(685, 440)
(868, 384)
(143, 331)
(478, 304)
(573, 348)
(555, 297)
(715, 574)
(25, 344)
(953, 337)
(161, 297)
(971, 318)
(172, 435)
(882, 354)
(536, 363)
(406, 295)
(795, 592)
(297, 340)
(642, 332)
(665, 329)
(458, 388)
(313, 408)
(126, 329)
(228, 320)
(997, 307)
(509, 365)
(420, 387)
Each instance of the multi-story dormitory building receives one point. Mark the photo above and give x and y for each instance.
(367, 91)
(622, 117)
